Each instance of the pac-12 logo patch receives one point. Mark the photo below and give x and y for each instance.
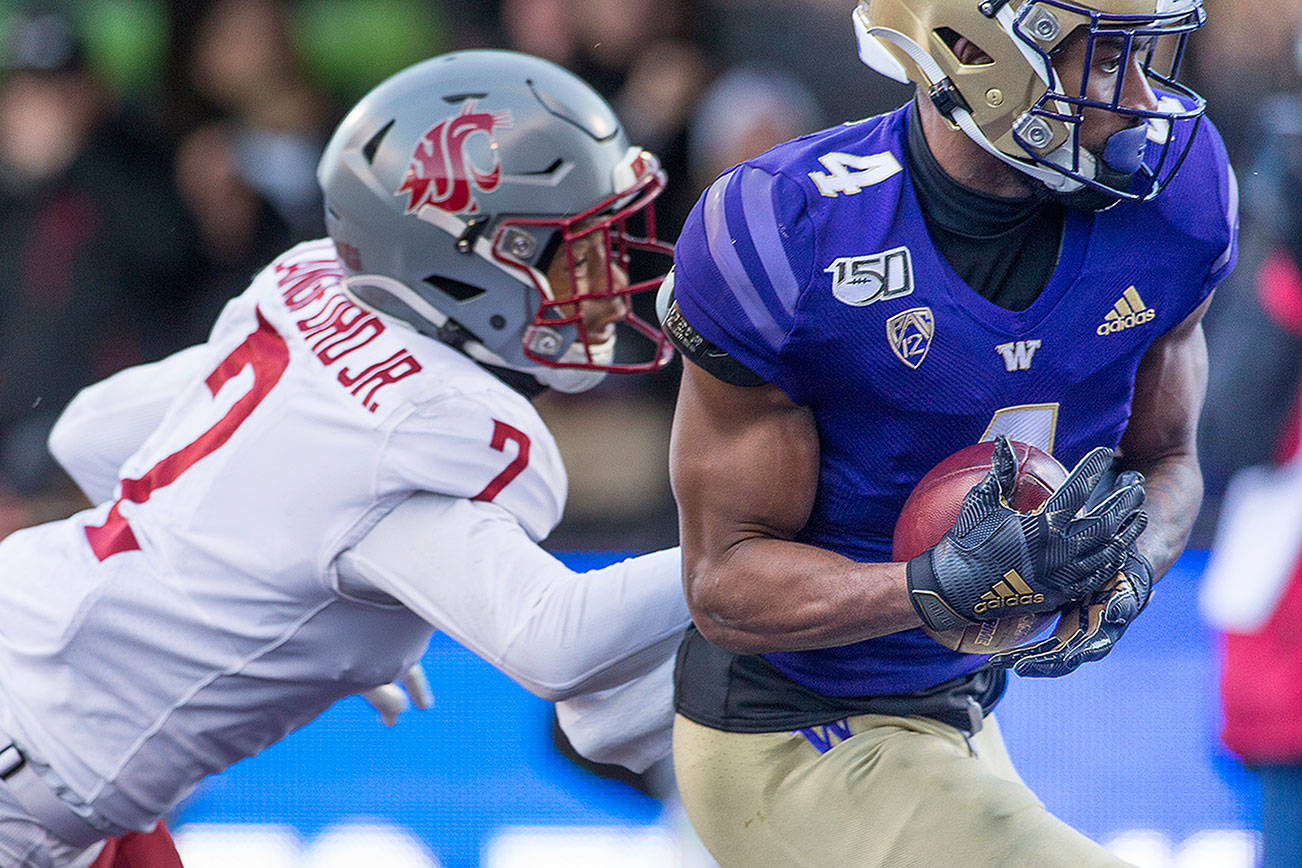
(910, 333)
(442, 174)
(861, 280)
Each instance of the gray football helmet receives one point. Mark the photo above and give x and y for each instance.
(452, 188)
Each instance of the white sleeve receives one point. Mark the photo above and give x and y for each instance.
(631, 725)
(471, 571)
(483, 446)
(105, 423)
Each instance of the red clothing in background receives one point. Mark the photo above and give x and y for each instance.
(1261, 679)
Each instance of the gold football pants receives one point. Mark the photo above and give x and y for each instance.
(902, 792)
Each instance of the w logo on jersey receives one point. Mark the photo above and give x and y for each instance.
(440, 172)
(1018, 354)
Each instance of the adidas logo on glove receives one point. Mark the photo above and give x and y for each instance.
(1010, 591)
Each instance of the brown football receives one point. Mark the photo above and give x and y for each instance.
(930, 511)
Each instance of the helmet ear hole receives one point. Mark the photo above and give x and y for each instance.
(549, 248)
(965, 51)
(373, 144)
(454, 289)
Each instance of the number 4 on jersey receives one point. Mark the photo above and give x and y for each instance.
(850, 173)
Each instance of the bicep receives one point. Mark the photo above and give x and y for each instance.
(1170, 385)
(744, 464)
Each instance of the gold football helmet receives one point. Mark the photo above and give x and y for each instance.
(1010, 99)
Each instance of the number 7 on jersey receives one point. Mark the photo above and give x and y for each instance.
(503, 432)
(265, 351)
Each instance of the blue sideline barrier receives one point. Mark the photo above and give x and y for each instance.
(1122, 745)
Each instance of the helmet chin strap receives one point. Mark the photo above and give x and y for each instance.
(881, 61)
(571, 381)
(574, 380)
(962, 117)
(1121, 163)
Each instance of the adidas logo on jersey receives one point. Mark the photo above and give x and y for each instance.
(1006, 593)
(1128, 312)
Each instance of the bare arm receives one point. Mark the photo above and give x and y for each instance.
(744, 467)
(1160, 440)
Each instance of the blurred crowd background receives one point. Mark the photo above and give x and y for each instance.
(154, 154)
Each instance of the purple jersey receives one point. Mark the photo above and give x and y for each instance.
(812, 265)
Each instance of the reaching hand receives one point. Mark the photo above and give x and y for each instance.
(996, 561)
(1088, 630)
(392, 700)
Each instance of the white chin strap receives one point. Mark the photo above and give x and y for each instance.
(574, 380)
(571, 381)
(876, 57)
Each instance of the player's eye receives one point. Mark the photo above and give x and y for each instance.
(1109, 65)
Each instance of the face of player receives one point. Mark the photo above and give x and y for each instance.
(1113, 73)
(592, 274)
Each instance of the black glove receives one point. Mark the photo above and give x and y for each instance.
(1087, 631)
(996, 561)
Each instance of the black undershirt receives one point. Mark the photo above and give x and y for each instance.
(1005, 249)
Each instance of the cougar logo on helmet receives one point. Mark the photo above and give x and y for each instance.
(563, 206)
(437, 174)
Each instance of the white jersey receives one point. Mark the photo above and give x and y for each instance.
(197, 617)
